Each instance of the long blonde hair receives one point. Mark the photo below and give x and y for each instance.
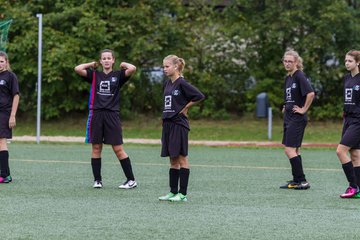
(3, 54)
(180, 62)
(298, 59)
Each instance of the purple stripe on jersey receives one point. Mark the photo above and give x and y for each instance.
(88, 137)
(92, 92)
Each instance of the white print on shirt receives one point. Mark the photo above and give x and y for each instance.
(348, 94)
(288, 93)
(104, 88)
(2, 82)
(168, 102)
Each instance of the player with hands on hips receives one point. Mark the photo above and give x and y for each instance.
(178, 97)
(298, 96)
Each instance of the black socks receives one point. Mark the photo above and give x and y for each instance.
(350, 174)
(184, 180)
(4, 164)
(96, 168)
(297, 169)
(174, 175)
(126, 166)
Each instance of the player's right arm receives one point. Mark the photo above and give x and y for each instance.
(81, 69)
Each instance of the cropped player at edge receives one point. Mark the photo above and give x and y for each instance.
(350, 140)
(9, 101)
(298, 95)
(179, 96)
(104, 126)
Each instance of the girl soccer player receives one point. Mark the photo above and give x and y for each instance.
(350, 141)
(298, 98)
(9, 101)
(104, 126)
(179, 96)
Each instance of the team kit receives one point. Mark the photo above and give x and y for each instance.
(104, 125)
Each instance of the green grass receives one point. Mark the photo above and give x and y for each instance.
(233, 194)
(239, 129)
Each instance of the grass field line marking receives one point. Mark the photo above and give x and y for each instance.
(192, 165)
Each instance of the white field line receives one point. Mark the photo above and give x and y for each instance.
(158, 141)
(192, 165)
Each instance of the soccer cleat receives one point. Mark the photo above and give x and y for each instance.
(289, 185)
(350, 192)
(178, 198)
(167, 196)
(129, 184)
(302, 186)
(5, 179)
(97, 184)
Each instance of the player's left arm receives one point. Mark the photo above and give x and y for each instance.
(193, 94)
(309, 99)
(129, 68)
(15, 104)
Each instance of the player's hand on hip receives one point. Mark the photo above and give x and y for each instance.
(297, 109)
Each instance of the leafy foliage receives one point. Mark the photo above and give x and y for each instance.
(232, 53)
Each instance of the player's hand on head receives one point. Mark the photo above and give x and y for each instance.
(95, 64)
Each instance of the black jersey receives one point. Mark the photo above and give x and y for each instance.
(9, 87)
(176, 95)
(352, 95)
(105, 94)
(297, 87)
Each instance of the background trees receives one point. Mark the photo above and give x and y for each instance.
(233, 49)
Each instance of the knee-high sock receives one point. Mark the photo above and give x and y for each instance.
(96, 168)
(349, 173)
(174, 175)
(297, 169)
(184, 180)
(4, 164)
(126, 166)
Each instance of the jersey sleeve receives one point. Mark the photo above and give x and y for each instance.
(305, 86)
(191, 93)
(88, 77)
(122, 78)
(14, 88)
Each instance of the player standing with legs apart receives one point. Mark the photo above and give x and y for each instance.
(298, 98)
(104, 126)
(179, 96)
(350, 141)
(9, 101)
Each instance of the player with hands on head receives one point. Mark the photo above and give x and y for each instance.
(178, 97)
(104, 125)
(298, 96)
(9, 102)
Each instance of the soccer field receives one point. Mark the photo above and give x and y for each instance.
(233, 194)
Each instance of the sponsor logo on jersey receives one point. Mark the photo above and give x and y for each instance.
(348, 94)
(104, 87)
(113, 79)
(293, 85)
(176, 92)
(167, 103)
(2, 82)
(356, 87)
(288, 93)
